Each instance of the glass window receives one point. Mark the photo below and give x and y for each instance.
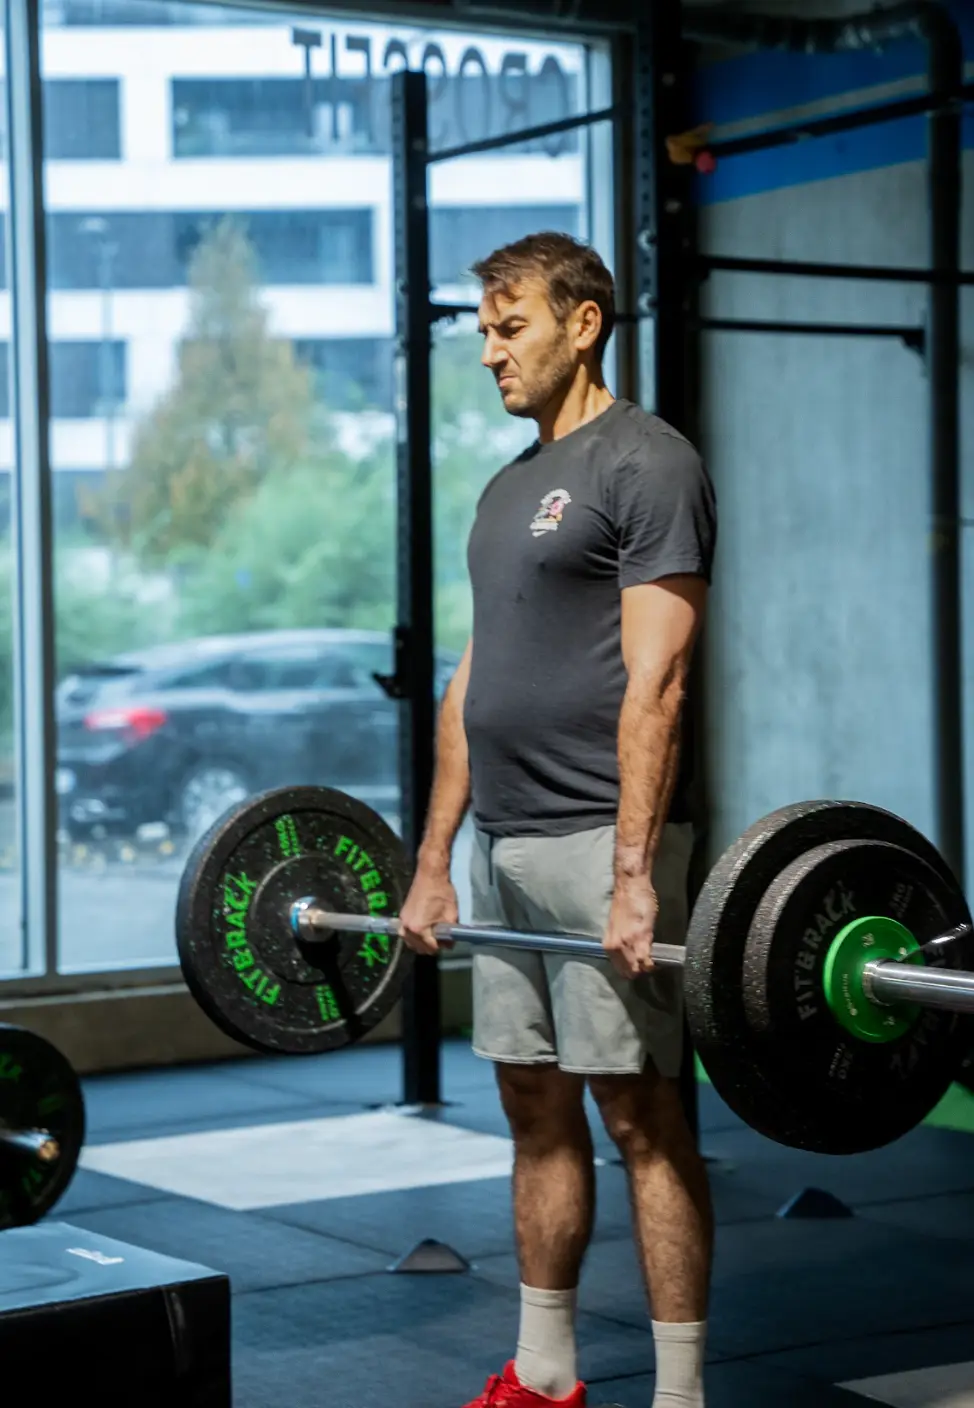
(216, 676)
(234, 117)
(142, 14)
(74, 494)
(350, 373)
(81, 119)
(343, 113)
(155, 249)
(224, 475)
(459, 235)
(85, 378)
(335, 672)
(479, 102)
(223, 437)
(275, 671)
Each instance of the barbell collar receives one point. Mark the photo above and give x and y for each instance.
(313, 924)
(38, 1143)
(888, 983)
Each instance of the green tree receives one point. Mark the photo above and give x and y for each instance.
(239, 488)
(313, 546)
(473, 437)
(240, 405)
(97, 617)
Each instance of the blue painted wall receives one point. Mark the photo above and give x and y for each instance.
(820, 639)
(765, 84)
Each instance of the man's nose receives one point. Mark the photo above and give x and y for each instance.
(493, 353)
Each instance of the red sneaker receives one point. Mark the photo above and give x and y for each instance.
(506, 1391)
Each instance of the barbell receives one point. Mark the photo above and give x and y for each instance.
(822, 972)
(42, 1126)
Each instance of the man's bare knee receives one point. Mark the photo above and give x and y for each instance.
(642, 1114)
(542, 1103)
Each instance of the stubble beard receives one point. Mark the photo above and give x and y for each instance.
(551, 381)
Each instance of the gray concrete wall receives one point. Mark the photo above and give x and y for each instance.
(820, 638)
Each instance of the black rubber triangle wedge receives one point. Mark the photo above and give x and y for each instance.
(814, 1203)
(430, 1257)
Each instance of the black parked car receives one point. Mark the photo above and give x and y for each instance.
(175, 734)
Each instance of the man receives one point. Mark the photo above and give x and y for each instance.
(589, 560)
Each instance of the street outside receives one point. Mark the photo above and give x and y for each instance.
(117, 900)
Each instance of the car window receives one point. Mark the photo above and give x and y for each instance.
(248, 675)
(369, 658)
(284, 671)
(81, 688)
(295, 674)
(340, 667)
(334, 672)
(213, 676)
(378, 657)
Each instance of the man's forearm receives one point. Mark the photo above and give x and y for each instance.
(649, 752)
(450, 796)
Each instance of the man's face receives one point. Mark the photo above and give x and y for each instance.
(531, 354)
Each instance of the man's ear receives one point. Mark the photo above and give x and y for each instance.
(588, 325)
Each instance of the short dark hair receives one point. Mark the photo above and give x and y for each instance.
(571, 272)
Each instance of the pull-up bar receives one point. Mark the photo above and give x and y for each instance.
(525, 134)
(912, 336)
(806, 269)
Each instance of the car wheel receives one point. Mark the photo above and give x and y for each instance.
(206, 794)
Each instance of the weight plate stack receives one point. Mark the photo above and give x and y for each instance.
(849, 1093)
(240, 957)
(42, 1126)
(731, 1050)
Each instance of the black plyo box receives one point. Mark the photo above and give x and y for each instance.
(98, 1321)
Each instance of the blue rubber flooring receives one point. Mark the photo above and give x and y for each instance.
(799, 1307)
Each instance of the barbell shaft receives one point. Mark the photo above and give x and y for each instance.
(312, 924)
(36, 1142)
(887, 982)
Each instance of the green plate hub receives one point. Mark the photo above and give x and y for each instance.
(868, 940)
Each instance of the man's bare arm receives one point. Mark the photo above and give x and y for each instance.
(660, 624)
(450, 796)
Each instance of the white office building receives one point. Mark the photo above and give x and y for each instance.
(161, 119)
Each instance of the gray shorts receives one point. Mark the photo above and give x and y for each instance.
(532, 1008)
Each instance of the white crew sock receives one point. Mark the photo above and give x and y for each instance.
(679, 1364)
(546, 1342)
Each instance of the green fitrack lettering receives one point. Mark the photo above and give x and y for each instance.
(238, 891)
(375, 950)
(287, 836)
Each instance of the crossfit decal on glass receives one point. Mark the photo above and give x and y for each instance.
(550, 512)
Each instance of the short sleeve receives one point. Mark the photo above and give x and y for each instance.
(665, 513)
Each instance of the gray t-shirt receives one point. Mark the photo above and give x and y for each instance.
(622, 500)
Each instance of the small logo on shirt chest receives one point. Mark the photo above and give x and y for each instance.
(550, 512)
